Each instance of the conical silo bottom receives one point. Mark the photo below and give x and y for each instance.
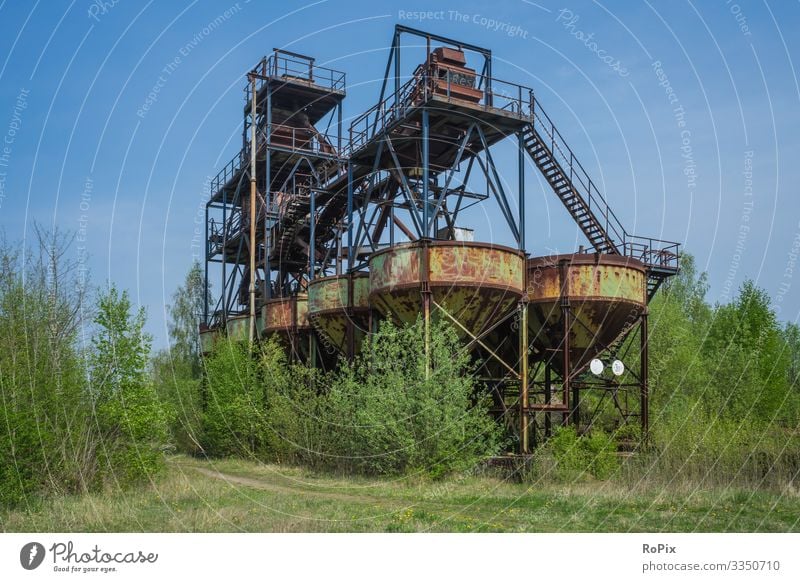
(471, 285)
(331, 311)
(606, 295)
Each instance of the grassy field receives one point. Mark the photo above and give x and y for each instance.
(230, 496)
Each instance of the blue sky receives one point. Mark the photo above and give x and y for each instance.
(687, 115)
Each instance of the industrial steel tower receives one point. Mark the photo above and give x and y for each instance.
(319, 235)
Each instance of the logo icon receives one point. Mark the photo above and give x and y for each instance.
(31, 555)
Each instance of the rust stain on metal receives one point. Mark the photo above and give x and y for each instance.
(330, 311)
(207, 340)
(476, 283)
(282, 315)
(606, 295)
(238, 327)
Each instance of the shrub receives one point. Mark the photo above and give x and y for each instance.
(388, 413)
(294, 425)
(234, 420)
(177, 370)
(601, 453)
(569, 457)
(181, 396)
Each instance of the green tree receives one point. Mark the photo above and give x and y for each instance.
(177, 371)
(791, 334)
(748, 355)
(186, 311)
(130, 419)
(678, 321)
(234, 422)
(45, 439)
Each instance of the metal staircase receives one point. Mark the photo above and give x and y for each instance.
(560, 180)
(587, 206)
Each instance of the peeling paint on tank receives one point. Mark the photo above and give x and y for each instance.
(399, 267)
(278, 314)
(476, 284)
(238, 328)
(604, 299)
(207, 340)
(328, 308)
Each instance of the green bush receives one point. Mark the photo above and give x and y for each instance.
(389, 413)
(177, 370)
(385, 413)
(295, 397)
(569, 457)
(181, 396)
(601, 452)
(234, 420)
(77, 410)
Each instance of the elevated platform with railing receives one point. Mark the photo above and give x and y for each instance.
(456, 100)
(502, 109)
(293, 94)
(294, 79)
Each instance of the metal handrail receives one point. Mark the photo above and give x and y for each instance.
(651, 251)
(302, 138)
(314, 144)
(501, 96)
(577, 174)
(292, 66)
(227, 172)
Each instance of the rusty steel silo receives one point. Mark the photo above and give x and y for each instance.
(287, 318)
(605, 294)
(472, 285)
(581, 308)
(338, 308)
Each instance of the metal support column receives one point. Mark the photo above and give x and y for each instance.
(521, 187)
(548, 397)
(524, 419)
(205, 280)
(312, 259)
(643, 371)
(350, 253)
(351, 327)
(425, 171)
(223, 303)
(523, 330)
(566, 364)
(253, 217)
(339, 129)
(312, 244)
(268, 195)
(426, 304)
